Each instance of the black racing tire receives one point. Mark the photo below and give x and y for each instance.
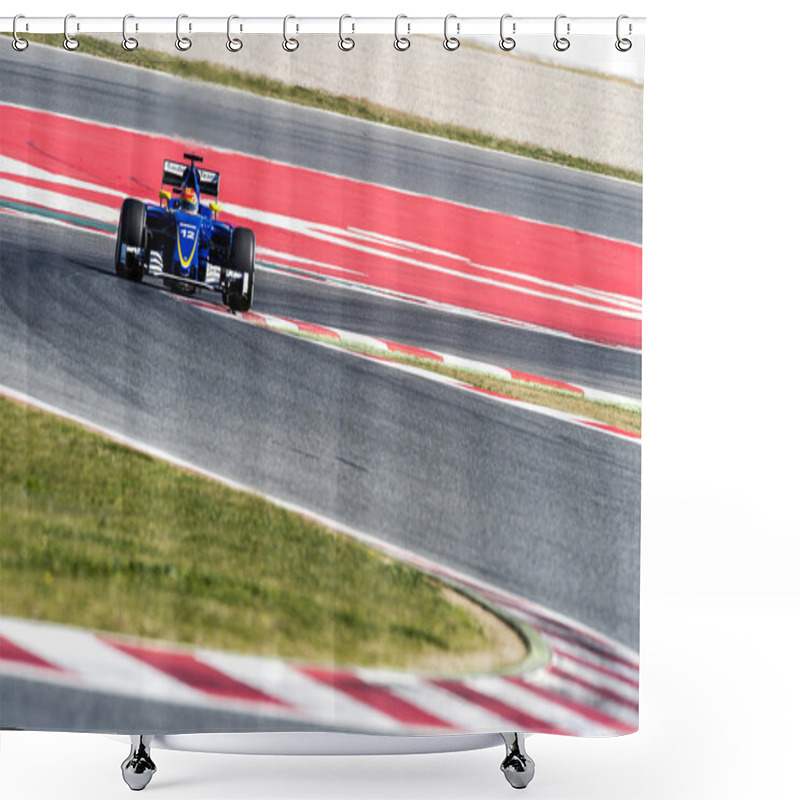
(239, 296)
(130, 233)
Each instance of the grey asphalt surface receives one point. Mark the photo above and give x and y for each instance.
(545, 509)
(554, 357)
(37, 705)
(112, 93)
(541, 507)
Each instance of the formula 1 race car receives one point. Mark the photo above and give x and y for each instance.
(182, 241)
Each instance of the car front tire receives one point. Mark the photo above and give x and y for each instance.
(239, 296)
(130, 233)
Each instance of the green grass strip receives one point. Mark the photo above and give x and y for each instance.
(98, 535)
(340, 104)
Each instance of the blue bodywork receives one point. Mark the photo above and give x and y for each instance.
(181, 240)
(188, 242)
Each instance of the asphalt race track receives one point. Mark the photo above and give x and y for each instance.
(384, 452)
(543, 508)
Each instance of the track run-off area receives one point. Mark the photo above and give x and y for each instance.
(471, 489)
(362, 235)
(587, 685)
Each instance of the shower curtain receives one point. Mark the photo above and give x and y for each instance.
(321, 380)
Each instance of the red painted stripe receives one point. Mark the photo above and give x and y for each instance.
(255, 319)
(436, 234)
(612, 429)
(588, 712)
(89, 195)
(582, 638)
(12, 652)
(528, 378)
(204, 304)
(597, 668)
(600, 691)
(417, 352)
(376, 697)
(187, 669)
(316, 330)
(523, 721)
(587, 643)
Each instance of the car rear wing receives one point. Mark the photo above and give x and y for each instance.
(175, 174)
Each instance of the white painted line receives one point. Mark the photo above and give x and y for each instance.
(447, 706)
(571, 649)
(406, 192)
(337, 236)
(598, 679)
(68, 204)
(444, 308)
(61, 223)
(97, 665)
(540, 707)
(58, 202)
(26, 170)
(476, 366)
(348, 337)
(266, 252)
(583, 696)
(310, 700)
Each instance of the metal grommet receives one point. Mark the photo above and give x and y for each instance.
(183, 43)
(345, 42)
(561, 43)
(233, 44)
(18, 43)
(401, 43)
(506, 42)
(70, 42)
(623, 45)
(128, 42)
(289, 44)
(450, 42)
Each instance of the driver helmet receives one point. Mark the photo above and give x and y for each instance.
(189, 200)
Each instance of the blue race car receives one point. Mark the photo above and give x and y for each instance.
(182, 241)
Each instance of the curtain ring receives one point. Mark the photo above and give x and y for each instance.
(345, 42)
(401, 43)
(233, 44)
(289, 44)
(183, 43)
(18, 43)
(561, 43)
(70, 42)
(128, 42)
(623, 45)
(450, 42)
(506, 42)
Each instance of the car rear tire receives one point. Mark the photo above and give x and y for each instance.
(239, 296)
(130, 233)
